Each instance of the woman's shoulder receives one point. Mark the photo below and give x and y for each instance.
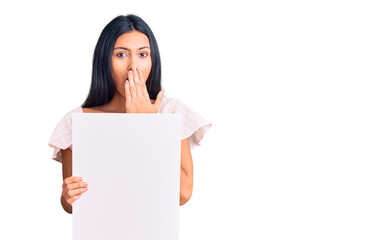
(174, 105)
(73, 110)
(61, 137)
(194, 125)
(65, 123)
(67, 117)
(169, 104)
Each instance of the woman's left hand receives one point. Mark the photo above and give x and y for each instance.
(136, 94)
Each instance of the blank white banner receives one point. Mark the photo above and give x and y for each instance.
(132, 165)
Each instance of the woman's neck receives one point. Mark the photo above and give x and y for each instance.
(116, 105)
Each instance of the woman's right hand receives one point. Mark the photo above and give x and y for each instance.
(72, 188)
(137, 96)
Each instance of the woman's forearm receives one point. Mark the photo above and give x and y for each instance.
(67, 207)
(186, 187)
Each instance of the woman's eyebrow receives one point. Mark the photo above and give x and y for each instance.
(128, 49)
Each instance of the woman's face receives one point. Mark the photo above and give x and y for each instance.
(131, 50)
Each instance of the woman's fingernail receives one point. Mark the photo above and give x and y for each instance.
(81, 179)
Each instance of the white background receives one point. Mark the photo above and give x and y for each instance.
(298, 93)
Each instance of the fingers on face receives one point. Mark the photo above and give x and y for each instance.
(139, 83)
(127, 90)
(142, 83)
(141, 76)
(131, 85)
(136, 84)
(136, 77)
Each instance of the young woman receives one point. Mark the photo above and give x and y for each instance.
(126, 78)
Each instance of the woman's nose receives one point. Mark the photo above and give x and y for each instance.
(132, 63)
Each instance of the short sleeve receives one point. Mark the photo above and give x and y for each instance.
(194, 125)
(61, 137)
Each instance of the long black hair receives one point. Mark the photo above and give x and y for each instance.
(102, 88)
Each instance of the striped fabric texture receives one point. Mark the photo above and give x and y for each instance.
(193, 126)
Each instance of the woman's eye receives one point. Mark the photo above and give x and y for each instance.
(119, 54)
(144, 54)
